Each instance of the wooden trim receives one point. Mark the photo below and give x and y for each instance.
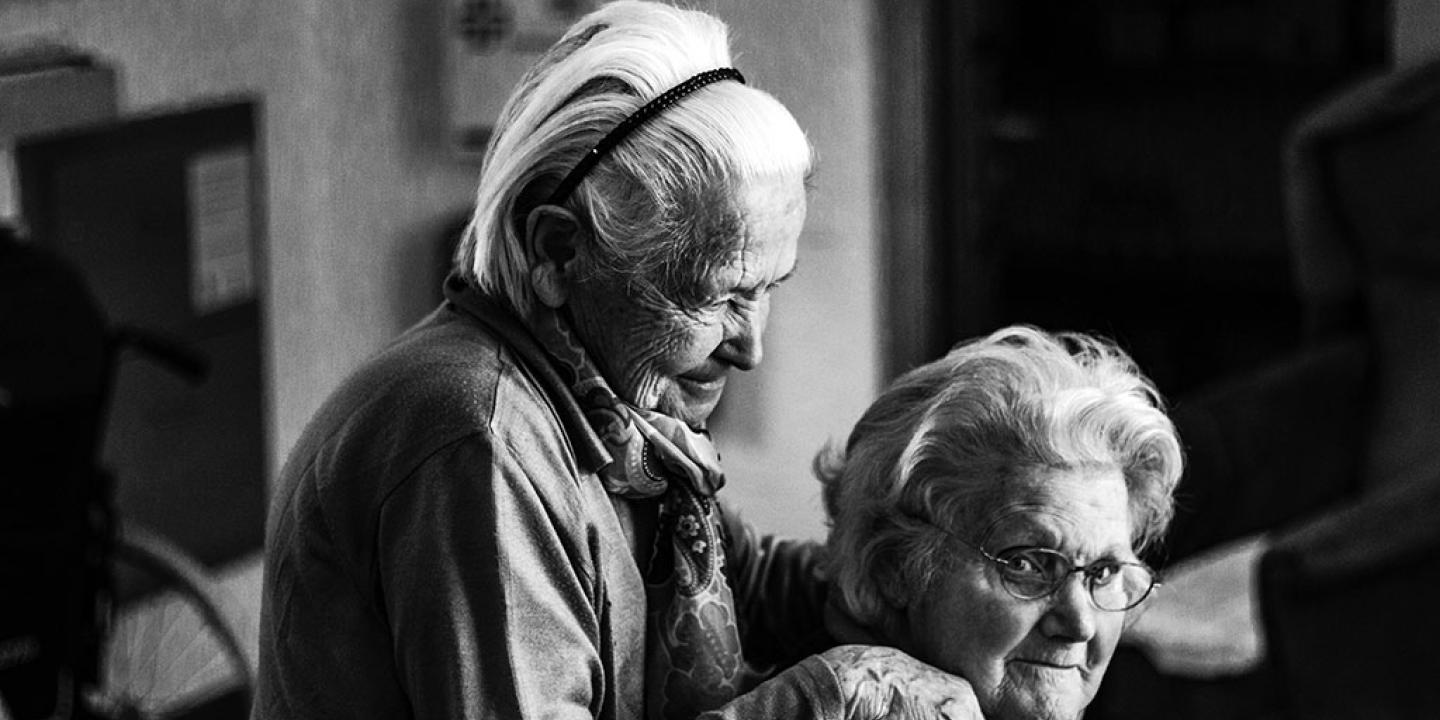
(903, 49)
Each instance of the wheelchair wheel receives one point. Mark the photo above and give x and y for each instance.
(172, 648)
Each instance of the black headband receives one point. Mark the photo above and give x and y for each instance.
(636, 119)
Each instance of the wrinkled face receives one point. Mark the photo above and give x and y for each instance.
(661, 356)
(1041, 658)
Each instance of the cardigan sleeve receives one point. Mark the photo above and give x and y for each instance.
(779, 597)
(490, 597)
(780, 593)
(807, 690)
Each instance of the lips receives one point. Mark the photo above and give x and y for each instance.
(702, 384)
(1051, 664)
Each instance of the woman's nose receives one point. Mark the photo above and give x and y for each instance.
(1071, 615)
(744, 347)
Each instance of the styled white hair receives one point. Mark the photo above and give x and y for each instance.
(659, 203)
(936, 452)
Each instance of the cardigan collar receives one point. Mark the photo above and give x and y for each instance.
(497, 317)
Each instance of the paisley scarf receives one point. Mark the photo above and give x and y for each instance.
(693, 656)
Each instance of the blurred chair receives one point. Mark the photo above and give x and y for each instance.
(99, 618)
(1350, 598)
(1333, 451)
(54, 507)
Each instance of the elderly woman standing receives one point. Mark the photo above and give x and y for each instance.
(988, 512)
(510, 512)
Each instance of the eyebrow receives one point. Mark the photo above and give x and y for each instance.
(1034, 534)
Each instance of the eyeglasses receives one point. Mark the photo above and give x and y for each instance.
(1030, 573)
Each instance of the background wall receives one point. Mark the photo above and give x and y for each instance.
(821, 365)
(359, 186)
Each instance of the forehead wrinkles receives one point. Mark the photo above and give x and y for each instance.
(1031, 519)
(1073, 506)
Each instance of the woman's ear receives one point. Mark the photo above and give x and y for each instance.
(898, 608)
(893, 588)
(552, 239)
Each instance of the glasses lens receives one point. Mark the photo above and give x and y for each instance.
(1119, 586)
(1029, 573)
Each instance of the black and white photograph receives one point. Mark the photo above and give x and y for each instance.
(720, 359)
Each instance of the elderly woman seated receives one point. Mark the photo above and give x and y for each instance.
(988, 512)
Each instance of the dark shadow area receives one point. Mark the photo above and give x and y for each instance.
(1126, 175)
(1242, 194)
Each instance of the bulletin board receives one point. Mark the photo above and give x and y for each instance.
(163, 217)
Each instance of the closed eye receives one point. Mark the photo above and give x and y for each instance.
(780, 280)
(741, 297)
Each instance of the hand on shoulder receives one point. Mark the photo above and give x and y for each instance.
(882, 683)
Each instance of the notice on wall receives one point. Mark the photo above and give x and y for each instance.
(489, 46)
(222, 240)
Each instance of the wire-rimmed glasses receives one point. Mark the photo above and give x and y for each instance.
(1030, 573)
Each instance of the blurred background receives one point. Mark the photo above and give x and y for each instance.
(275, 187)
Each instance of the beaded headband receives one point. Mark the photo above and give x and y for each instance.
(636, 119)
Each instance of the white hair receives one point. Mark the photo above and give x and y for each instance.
(934, 453)
(658, 202)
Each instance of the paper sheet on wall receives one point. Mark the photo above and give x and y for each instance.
(222, 258)
(490, 44)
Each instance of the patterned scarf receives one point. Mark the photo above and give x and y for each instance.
(693, 657)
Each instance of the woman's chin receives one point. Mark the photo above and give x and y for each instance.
(1030, 698)
(1047, 709)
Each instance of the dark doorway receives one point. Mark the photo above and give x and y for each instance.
(1111, 167)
